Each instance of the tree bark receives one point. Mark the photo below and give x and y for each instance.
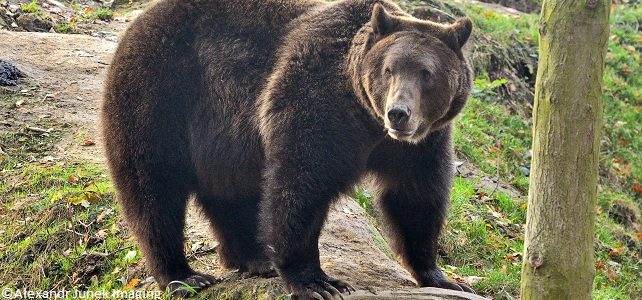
(558, 260)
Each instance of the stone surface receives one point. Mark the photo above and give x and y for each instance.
(33, 22)
(418, 294)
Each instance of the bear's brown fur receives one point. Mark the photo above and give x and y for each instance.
(264, 111)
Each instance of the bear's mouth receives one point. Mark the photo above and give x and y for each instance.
(396, 134)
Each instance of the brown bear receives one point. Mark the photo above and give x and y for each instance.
(264, 112)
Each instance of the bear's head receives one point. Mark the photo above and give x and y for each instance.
(413, 74)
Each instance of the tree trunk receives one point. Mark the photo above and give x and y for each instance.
(558, 259)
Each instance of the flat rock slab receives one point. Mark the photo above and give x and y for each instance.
(419, 294)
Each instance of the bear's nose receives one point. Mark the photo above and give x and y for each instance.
(398, 116)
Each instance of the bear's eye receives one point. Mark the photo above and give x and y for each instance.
(387, 72)
(426, 74)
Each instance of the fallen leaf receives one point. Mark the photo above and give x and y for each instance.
(619, 124)
(504, 269)
(73, 178)
(56, 197)
(103, 214)
(132, 283)
(637, 188)
(612, 275)
(627, 170)
(599, 265)
(616, 251)
(47, 159)
(131, 255)
(513, 257)
(76, 200)
(92, 196)
(196, 246)
(639, 235)
(88, 142)
(102, 234)
(472, 280)
(91, 192)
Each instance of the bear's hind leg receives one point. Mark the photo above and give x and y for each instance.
(235, 225)
(156, 215)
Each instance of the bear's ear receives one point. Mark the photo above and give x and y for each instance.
(382, 22)
(456, 35)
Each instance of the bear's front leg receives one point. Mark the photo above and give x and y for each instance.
(303, 175)
(414, 222)
(414, 183)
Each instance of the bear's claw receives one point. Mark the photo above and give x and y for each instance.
(191, 284)
(321, 289)
(455, 286)
(435, 278)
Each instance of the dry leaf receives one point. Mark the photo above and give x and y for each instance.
(616, 251)
(131, 255)
(103, 214)
(91, 192)
(56, 197)
(599, 265)
(73, 178)
(88, 142)
(76, 200)
(514, 257)
(92, 196)
(102, 234)
(612, 275)
(637, 188)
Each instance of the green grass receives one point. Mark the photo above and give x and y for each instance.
(104, 14)
(31, 7)
(494, 139)
(50, 239)
(497, 139)
(64, 28)
(622, 142)
(482, 237)
(365, 198)
(504, 28)
(60, 226)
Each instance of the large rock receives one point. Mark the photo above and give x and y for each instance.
(5, 18)
(417, 294)
(9, 74)
(33, 22)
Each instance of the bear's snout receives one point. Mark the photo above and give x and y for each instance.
(398, 116)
